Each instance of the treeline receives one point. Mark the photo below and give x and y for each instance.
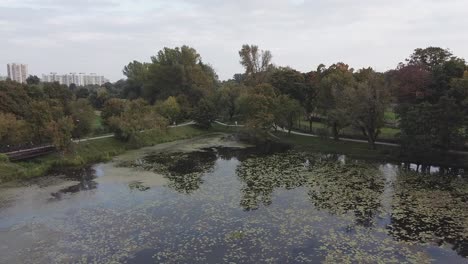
(428, 92)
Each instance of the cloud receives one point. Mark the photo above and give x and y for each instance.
(104, 35)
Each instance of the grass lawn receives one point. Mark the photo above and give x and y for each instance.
(390, 116)
(329, 146)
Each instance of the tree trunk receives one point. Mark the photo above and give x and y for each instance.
(371, 139)
(335, 132)
(310, 124)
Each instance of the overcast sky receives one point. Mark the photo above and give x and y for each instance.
(102, 36)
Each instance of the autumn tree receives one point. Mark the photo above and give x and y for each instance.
(434, 118)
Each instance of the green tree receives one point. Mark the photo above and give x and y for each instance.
(287, 111)
(112, 107)
(368, 102)
(82, 92)
(13, 131)
(169, 109)
(204, 113)
(257, 108)
(429, 57)
(137, 75)
(177, 71)
(33, 79)
(136, 117)
(226, 99)
(333, 103)
(60, 132)
(82, 114)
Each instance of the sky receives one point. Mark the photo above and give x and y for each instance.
(102, 36)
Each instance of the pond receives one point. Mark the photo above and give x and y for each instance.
(216, 200)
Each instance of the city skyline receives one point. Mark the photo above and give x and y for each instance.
(79, 79)
(17, 72)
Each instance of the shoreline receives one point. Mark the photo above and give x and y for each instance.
(101, 150)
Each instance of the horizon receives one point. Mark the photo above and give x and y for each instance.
(103, 36)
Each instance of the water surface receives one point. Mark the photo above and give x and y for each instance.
(215, 200)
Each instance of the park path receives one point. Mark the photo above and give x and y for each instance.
(85, 139)
(224, 124)
(342, 139)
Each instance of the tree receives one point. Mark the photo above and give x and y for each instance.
(289, 82)
(169, 109)
(257, 63)
(136, 117)
(13, 131)
(137, 74)
(177, 71)
(112, 107)
(368, 102)
(82, 114)
(60, 132)
(257, 107)
(227, 99)
(204, 113)
(287, 111)
(336, 80)
(82, 92)
(33, 79)
(434, 120)
(429, 57)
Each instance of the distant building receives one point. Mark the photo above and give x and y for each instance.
(17, 72)
(3, 78)
(79, 79)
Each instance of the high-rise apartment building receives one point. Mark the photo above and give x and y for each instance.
(79, 79)
(17, 72)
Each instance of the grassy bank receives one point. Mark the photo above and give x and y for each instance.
(91, 151)
(364, 151)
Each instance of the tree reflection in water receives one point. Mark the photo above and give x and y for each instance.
(85, 176)
(431, 208)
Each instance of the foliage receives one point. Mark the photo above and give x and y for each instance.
(136, 117)
(169, 109)
(33, 79)
(113, 107)
(287, 111)
(12, 130)
(172, 72)
(335, 84)
(257, 107)
(83, 117)
(60, 132)
(204, 113)
(257, 64)
(226, 99)
(368, 101)
(3, 158)
(434, 119)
